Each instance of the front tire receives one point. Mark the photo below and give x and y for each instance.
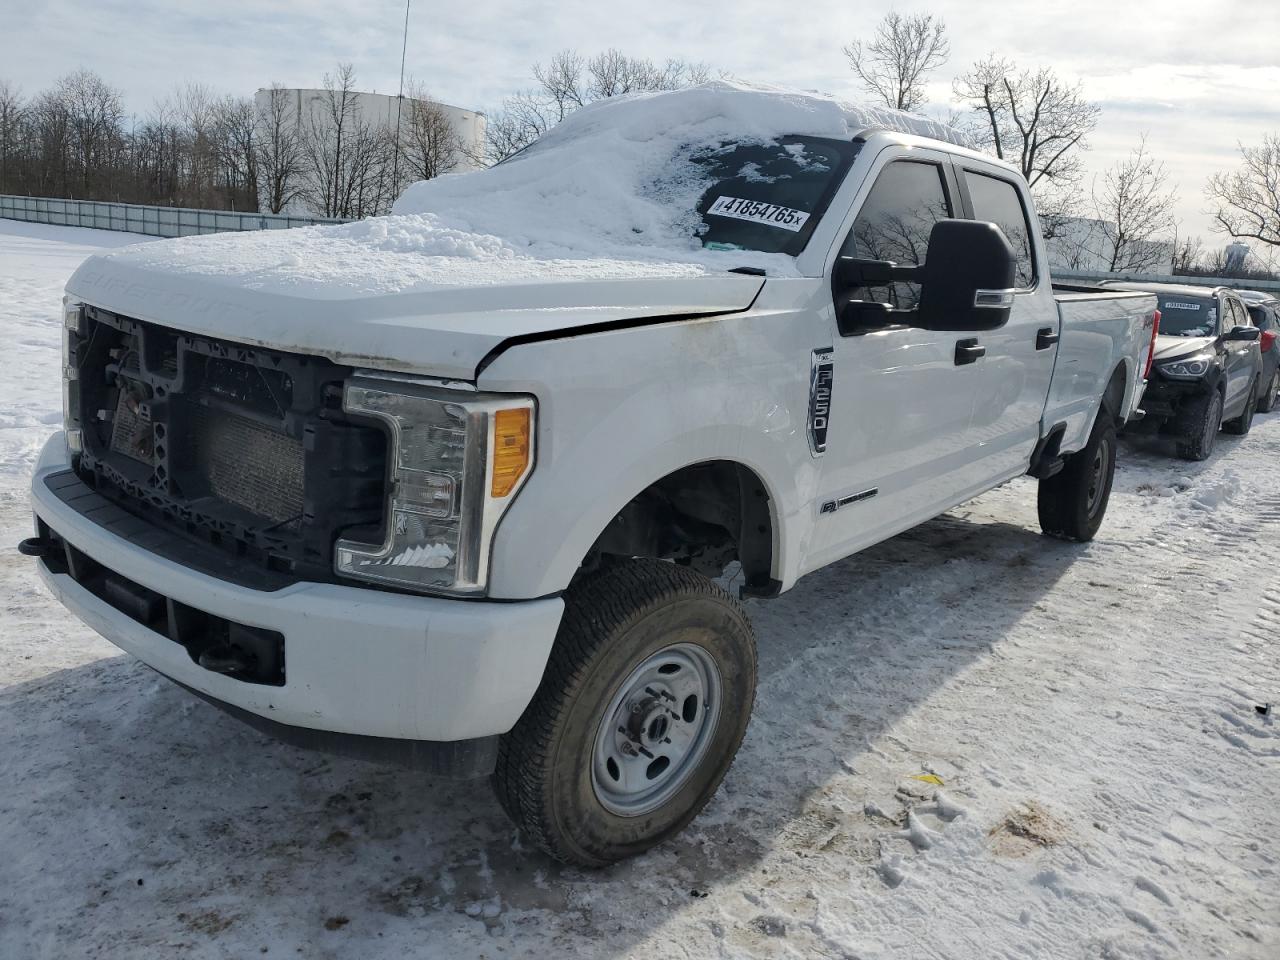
(1072, 502)
(1202, 420)
(1241, 425)
(641, 710)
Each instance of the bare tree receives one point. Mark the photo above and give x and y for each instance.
(894, 64)
(1036, 121)
(280, 157)
(1187, 255)
(347, 158)
(1246, 201)
(429, 143)
(1135, 210)
(613, 73)
(93, 114)
(236, 143)
(13, 128)
(569, 81)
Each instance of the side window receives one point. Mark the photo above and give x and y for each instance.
(906, 200)
(1235, 318)
(998, 202)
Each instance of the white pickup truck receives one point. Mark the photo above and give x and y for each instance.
(454, 486)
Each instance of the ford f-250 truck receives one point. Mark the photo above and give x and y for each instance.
(454, 486)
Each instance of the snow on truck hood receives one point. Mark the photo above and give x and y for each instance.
(595, 221)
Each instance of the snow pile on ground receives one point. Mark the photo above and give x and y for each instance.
(608, 194)
(969, 742)
(37, 260)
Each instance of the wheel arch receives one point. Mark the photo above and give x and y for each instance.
(703, 514)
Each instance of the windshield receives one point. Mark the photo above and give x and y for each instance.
(1182, 316)
(769, 197)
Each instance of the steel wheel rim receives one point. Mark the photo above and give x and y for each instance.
(1098, 476)
(656, 729)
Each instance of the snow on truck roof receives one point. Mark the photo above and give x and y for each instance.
(612, 192)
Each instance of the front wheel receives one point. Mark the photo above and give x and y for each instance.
(1072, 502)
(640, 712)
(1267, 401)
(1200, 422)
(1240, 425)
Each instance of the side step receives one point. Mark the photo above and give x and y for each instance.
(1046, 461)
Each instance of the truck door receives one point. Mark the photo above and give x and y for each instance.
(897, 441)
(1012, 384)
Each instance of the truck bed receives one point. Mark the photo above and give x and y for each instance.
(1101, 329)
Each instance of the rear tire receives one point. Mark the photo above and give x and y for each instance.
(1241, 424)
(1202, 420)
(1267, 401)
(1073, 501)
(643, 705)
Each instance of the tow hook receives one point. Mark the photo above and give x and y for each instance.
(37, 547)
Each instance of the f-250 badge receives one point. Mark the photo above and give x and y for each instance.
(821, 375)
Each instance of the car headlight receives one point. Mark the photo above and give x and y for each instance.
(1189, 368)
(73, 323)
(456, 462)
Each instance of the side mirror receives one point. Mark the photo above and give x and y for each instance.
(1242, 333)
(967, 280)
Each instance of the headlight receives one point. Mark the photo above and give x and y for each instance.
(72, 331)
(457, 461)
(1190, 368)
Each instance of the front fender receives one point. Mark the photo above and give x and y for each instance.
(608, 427)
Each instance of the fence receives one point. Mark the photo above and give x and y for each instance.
(1061, 273)
(151, 221)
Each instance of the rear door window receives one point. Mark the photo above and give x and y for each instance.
(998, 201)
(907, 199)
(1263, 317)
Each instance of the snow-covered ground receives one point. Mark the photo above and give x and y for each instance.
(969, 742)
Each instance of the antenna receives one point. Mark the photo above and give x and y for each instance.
(395, 159)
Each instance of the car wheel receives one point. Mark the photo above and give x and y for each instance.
(639, 715)
(1267, 401)
(1072, 503)
(1203, 417)
(1240, 425)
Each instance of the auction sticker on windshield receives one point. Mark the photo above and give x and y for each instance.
(1175, 305)
(757, 211)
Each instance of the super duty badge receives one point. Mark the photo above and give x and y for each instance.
(821, 374)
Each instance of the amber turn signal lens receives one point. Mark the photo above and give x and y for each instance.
(510, 449)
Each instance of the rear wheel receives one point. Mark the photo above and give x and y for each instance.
(1201, 421)
(1241, 424)
(1072, 502)
(1267, 400)
(643, 706)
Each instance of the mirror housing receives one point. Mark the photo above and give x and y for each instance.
(968, 277)
(1242, 333)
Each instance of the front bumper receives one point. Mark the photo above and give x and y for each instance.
(360, 662)
(1164, 396)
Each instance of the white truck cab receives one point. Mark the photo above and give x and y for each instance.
(452, 486)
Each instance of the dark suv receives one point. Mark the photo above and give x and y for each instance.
(1208, 367)
(1264, 310)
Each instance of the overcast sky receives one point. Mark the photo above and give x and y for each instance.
(1195, 76)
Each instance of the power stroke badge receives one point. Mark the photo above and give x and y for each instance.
(821, 375)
